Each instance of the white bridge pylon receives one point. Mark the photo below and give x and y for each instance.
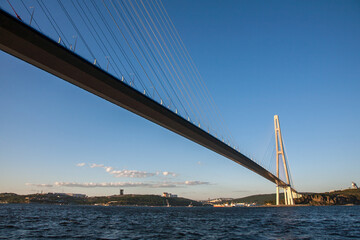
(289, 193)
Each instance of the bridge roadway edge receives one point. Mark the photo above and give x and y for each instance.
(29, 45)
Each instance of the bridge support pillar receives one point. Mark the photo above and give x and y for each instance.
(286, 199)
(290, 196)
(280, 155)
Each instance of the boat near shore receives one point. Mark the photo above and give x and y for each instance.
(235, 205)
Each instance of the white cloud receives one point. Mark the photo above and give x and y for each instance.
(169, 174)
(131, 173)
(192, 183)
(105, 184)
(130, 184)
(80, 164)
(38, 185)
(163, 185)
(94, 165)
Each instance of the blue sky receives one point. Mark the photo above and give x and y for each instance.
(297, 59)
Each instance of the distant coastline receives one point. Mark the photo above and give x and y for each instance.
(114, 200)
(340, 197)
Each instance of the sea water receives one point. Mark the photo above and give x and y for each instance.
(33, 221)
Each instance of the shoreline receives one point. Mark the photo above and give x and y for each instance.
(205, 206)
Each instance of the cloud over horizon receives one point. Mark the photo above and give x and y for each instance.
(94, 165)
(39, 185)
(131, 184)
(122, 184)
(129, 173)
(167, 173)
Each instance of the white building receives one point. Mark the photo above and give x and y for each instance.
(169, 195)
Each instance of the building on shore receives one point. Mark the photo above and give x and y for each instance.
(216, 200)
(76, 195)
(169, 195)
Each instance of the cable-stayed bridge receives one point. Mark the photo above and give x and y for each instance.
(129, 53)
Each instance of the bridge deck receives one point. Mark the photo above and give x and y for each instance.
(23, 42)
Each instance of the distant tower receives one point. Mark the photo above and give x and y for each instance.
(121, 191)
(288, 194)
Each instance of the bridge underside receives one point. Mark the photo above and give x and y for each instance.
(25, 43)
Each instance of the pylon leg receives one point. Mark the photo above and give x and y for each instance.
(291, 198)
(285, 196)
(277, 195)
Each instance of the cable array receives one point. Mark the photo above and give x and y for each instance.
(135, 41)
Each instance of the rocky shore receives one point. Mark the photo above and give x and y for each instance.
(341, 197)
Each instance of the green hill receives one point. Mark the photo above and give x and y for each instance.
(259, 199)
(141, 200)
(115, 200)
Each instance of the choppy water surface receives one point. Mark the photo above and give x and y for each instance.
(88, 222)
